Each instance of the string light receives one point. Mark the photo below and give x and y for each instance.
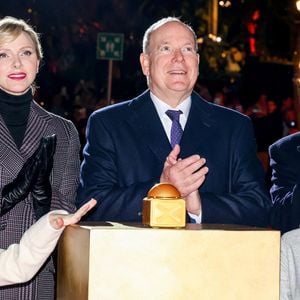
(215, 38)
(225, 3)
(298, 5)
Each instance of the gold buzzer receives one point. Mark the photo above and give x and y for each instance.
(163, 191)
(163, 207)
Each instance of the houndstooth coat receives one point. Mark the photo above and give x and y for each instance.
(64, 181)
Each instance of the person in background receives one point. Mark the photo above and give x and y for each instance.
(290, 266)
(289, 115)
(134, 144)
(274, 122)
(79, 118)
(203, 91)
(285, 190)
(258, 114)
(39, 161)
(20, 262)
(219, 98)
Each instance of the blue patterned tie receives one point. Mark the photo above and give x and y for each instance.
(176, 129)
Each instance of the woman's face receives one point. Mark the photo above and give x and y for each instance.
(18, 65)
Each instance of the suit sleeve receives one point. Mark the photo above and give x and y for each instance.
(285, 292)
(99, 178)
(20, 262)
(289, 265)
(285, 190)
(245, 200)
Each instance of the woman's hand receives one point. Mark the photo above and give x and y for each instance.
(58, 221)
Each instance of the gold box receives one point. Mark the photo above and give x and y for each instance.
(164, 212)
(196, 262)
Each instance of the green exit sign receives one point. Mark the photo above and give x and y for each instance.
(110, 46)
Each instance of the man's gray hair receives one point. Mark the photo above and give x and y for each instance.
(158, 24)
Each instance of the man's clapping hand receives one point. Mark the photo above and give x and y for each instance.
(187, 175)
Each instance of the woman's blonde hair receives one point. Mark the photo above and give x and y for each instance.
(11, 28)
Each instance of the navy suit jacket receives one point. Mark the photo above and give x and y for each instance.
(285, 190)
(127, 146)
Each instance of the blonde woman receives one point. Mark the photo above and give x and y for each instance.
(39, 153)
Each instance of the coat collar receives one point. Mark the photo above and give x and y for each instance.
(145, 122)
(10, 155)
(37, 123)
(199, 127)
(147, 125)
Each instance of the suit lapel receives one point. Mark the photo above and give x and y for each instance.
(36, 127)
(10, 156)
(145, 121)
(199, 127)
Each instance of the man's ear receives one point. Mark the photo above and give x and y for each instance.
(145, 62)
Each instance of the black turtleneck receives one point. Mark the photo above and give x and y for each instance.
(15, 111)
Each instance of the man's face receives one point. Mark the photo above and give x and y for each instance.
(171, 63)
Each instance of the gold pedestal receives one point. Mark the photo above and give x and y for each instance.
(197, 262)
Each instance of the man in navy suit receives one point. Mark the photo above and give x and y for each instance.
(128, 150)
(285, 190)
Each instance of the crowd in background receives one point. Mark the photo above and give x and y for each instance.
(272, 118)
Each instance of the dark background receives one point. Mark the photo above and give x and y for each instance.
(69, 30)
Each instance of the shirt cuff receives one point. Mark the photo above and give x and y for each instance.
(197, 219)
